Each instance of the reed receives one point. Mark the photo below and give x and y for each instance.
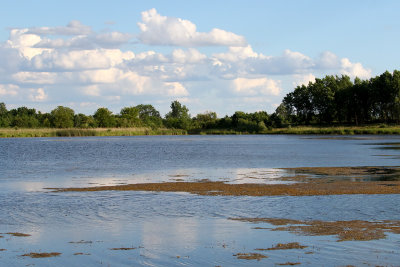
(299, 130)
(72, 132)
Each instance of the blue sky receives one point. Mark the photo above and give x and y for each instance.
(210, 55)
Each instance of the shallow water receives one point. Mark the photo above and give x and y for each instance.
(175, 229)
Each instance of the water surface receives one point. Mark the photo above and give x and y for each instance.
(174, 229)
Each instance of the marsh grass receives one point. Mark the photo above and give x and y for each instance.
(310, 130)
(72, 132)
(340, 130)
(140, 131)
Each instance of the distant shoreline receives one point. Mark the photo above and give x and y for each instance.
(299, 130)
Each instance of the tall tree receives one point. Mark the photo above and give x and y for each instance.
(24, 117)
(104, 118)
(130, 117)
(149, 116)
(178, 117)
(62, 117)
(4, 118)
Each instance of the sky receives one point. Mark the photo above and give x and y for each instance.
(221, 56)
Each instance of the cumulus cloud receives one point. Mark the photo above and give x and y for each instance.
(38, 95)
(354, 69)
(189, 56)
(328, 60)
(24, 42)
(92, 41)
(8, 90)
(161, 30)
(303, 79)
(26, 77)
(77, 63)
(263, 86)
(176, 89)
(73, 28)
(77, 60)
(243, 60)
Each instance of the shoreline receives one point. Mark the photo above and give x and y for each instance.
(143, 131)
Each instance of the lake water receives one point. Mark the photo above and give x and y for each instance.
(178, 229)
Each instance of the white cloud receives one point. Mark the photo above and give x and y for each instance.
(256, 86)
(25, 77)
(176, 89)
(77, 60)
(24, 42)
(91, 90)
(38, 95)
(303, 79)
(236, 53)
(354, 69)
(77, 64)
(187, 56)
(8, 89)
(328, 60)
(92, 41)
(243, 60)
(73, 28)
(161, 30)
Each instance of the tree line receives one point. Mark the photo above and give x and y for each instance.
(330, 100)
(136, 116)
(339, 100)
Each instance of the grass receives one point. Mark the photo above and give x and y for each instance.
(298, 130)
(337, 130)
(304, 130)
(71, 132)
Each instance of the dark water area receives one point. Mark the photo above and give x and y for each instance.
(178, 229)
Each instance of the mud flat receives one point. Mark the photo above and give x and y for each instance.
(306, 182)
(355, 230)
(42, 255)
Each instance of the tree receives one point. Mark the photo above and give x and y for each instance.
(280, 116)
(3, 109)
(62, 117)
(129, 117)
(205, 120)
(4, 118)
(149, 116)
(83, 121)
(178, 117)
(24, 117)
(104, 118)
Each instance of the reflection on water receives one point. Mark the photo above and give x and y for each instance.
(168, 229)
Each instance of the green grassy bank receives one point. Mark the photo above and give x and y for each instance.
(301, 130)
(51, 132)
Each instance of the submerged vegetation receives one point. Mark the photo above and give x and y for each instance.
(331, 105)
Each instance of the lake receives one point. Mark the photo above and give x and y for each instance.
(128, 228)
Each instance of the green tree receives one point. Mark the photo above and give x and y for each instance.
(149, 116)
(4, 116)
(178, 117)
(205, 120)
(280, 116)
(24, 117)
(83, 121)
(62, 117)
(130, 117)
(45, 119)
(104, 118)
